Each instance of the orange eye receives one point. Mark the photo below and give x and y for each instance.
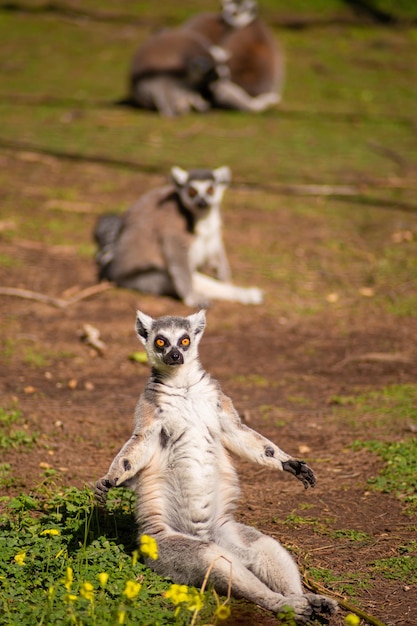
(192, 192)
(159, 342)
(210, 190)
(185, 341)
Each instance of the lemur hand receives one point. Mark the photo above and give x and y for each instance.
(102, 488)
(301, 471)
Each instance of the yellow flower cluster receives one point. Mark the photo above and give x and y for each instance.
(87, 591)
(20, 558)
(132, 589)
(54, 532)
(149, 547)
(189, 597)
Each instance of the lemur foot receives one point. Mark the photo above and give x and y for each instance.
(306, 608)
(300, 470)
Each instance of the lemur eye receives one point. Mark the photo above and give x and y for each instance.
(160, 342)
(210, 190)
(192, 192)
(185, 341)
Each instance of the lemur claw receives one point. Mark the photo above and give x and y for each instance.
(300, 470)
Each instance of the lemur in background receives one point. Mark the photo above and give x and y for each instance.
(177, 462)
(169, 234)
(172, 70)
(254, 59)
(229, 60)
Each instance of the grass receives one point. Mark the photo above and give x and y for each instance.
(10, 435)
(64, 562)
(399, 476)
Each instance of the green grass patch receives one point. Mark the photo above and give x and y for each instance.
(64, 562)
(402, 567)
(399, 476)
(393, 408)
(11, 435)
(348, 583)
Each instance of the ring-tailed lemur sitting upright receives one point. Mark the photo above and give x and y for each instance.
(254, 60)
(169, 234)
(177, 462)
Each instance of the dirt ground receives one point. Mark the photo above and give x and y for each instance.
(81, 403)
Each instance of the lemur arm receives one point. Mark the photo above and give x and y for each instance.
(135, 454)
(251, 446)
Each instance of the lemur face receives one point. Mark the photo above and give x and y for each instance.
(170, 341)
(239, 13)
(199, 190)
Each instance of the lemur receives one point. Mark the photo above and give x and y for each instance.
(254, 59)
(171, 72)
(178, 463)
(169, 234)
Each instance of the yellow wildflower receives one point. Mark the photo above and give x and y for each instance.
(51, 531)
(177, 594)
(20, 558)
(194, 600)
(135, 556)
(69, 577)
(87, 591)
(121, 617)
(70, 597)
(149, 547)
(103, 577)
(352, 620)
(51, 592)
(132, 589)
(222, 612)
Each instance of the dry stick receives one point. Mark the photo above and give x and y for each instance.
(205, 581)
(376, 357)
(59, 303)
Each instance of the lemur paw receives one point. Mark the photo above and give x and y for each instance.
(322, 605)
(103, 485)
(300, 470)
(306, 608)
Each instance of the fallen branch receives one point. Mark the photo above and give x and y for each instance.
(374, 357)
(59, 303)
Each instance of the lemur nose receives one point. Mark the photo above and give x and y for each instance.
(202, 204)
(174, 358)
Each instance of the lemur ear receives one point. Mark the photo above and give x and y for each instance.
(143, 326)
(179, 176)
(223, 175)
(198, 322)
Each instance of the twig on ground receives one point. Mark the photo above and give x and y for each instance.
(375, 357)
(59, 303)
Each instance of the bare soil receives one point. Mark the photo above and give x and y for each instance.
(81, 403)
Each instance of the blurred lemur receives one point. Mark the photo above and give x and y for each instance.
(229, 59)
(177, 462)
(169, 234)
(254, 60)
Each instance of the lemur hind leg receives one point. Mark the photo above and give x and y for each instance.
(269, 561)
(186, 560)
(214, 289)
